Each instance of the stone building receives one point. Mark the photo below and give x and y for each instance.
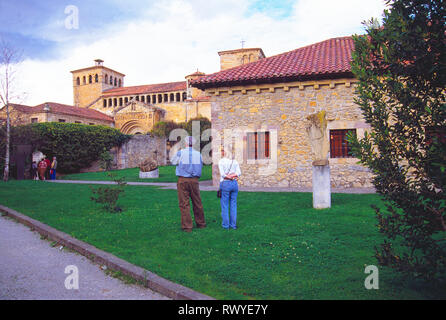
(259, 111)
(136, 109)
(54, 112)
(100, 97)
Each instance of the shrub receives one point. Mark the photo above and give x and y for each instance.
(401, 91)
(76, 146)
(108, 196)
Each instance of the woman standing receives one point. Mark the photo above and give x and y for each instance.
(42, 169)
(229, 173)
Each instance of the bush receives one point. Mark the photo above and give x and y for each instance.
(401, 71)
(108, 196)
(163, 128)
(76, 146)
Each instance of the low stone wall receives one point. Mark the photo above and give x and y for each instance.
(134, 151)
(138, 149)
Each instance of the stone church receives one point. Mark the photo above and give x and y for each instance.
(100, 98)
(260, 111)
(259, 107)
(136, 109)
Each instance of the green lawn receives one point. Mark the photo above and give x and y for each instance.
(166, 174)
(283, 248)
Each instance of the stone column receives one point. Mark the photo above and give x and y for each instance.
(317, 134)
(321, 185)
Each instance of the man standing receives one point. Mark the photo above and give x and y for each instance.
(189, 164)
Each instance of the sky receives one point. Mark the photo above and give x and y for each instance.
(159, 41)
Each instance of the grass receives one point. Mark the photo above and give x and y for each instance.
(166, 174)
(283, 248)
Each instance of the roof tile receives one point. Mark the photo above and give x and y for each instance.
(328, 58)
(149, 88)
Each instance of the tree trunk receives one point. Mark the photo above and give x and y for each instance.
(8, 135)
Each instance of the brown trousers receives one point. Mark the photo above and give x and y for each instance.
(188, 188)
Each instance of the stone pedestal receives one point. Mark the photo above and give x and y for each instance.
(321, 185)
(151, 174)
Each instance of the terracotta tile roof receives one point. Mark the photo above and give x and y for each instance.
(65, 109)
(149, 88)
(327, 59)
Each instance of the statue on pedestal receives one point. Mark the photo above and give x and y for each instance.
(317, 135)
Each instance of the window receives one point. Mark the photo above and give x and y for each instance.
(90, 79)
(115, 102)
(119, 83)
(160, 98)
(126, 100)
(110, 102)
(84, 80)
(105, 103)
(106, 78)
(111, 80)
(61, 120)
(116, 82)
(120, 102)
(148, 99)
(137, 98)
(339, 147)
(96, 78)
(154, 98)
(78, 81)
(184, 96)
(258, 145)
(142, 98)
(178, 97)
(166, 97)
(172, 97)
(34, 120)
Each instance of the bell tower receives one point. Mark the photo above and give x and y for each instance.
(90, 82)
(233, 58)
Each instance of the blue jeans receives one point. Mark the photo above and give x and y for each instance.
(53, 175)
(228, 201)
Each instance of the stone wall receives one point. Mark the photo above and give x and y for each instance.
(133, 152)
(138, 149)
(282, 109)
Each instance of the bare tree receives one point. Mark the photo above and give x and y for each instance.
(9, 60)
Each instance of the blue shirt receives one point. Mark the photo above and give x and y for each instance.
(188, 162)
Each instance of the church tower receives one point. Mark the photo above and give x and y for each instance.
(234, 58)
(89, 83)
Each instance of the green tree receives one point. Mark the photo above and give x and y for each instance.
(76, 146)
(401, 68)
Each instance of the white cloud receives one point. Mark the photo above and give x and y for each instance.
(177, 37)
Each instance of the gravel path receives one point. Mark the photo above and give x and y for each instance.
(30, 268)
(207, 186)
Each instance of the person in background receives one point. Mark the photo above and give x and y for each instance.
(189, 165)
(34, 171)
(42, 169)
(229, 173)
(53, 169)
(48, 165)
